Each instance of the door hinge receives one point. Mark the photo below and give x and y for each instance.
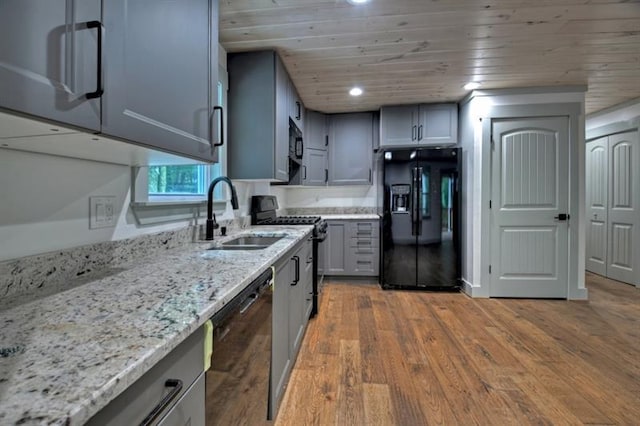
(493, 143)
(326, 140)
(489, 203)
(489, 268)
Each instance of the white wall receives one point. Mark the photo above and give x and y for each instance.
(44, 203)
(466, 134)
(344, 196)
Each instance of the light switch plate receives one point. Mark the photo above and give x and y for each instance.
(102, 212)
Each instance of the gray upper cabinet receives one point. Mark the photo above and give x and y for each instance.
(315, 167)
(258, 117)
(438, 124)
(397, 126)
(125, 69)
(418, 125)
(315, 161)
(350, 149)
(316, 135)
(161, 81)
(49, 59)
(296, 107)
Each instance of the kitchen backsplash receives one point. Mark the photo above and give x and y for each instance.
(34, 276)
(330, 210)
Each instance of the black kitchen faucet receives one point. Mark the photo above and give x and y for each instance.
(211, 218)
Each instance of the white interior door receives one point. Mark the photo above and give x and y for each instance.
(597, 204)
(624, 208)
(530, 181)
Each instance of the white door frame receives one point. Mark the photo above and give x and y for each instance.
(632, 125)
(576, 187)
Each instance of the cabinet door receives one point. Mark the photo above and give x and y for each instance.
(49, 59)
(161, 74)
(296, 301)
(315, 167)
(350, 149)
(280, 361)
(337, 236)
(307, 296)
(316, 135)
(282, 123)
(398, 126)
(296, 107)
(438, 124)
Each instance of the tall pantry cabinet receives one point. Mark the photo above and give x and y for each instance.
(613, 206)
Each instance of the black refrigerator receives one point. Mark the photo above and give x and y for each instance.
(421, 243)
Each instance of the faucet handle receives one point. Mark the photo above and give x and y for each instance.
(216, 225)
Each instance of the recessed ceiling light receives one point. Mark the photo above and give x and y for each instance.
(472, 85)
(356, 91)
(357, 1)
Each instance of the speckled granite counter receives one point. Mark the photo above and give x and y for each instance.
(65, 356)
(349, 216)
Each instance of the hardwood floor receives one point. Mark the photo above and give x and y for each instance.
(409, 358)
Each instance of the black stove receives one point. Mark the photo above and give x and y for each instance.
(263, 212)
(292, 220)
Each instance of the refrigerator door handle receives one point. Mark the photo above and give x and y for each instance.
(415, 197)
(419, 203)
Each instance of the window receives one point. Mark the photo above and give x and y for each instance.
(189, 182)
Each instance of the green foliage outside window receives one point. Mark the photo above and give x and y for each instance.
(176, 180)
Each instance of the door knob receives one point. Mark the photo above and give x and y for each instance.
(562, 217)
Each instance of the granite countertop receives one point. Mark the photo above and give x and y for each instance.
(65, 356)
(351, 216)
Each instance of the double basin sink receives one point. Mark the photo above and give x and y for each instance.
(251, 242)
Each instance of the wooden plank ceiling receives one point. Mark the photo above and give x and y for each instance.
(409, 51)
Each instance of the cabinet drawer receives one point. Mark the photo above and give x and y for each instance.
(365, 229)
(364, 264)
(190, 410)
(185, 363)
(364, 243)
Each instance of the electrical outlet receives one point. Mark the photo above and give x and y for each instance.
(102, 212)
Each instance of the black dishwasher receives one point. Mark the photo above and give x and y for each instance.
(237, 384)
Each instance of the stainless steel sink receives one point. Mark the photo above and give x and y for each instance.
(251, 242)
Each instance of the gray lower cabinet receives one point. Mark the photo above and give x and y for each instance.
(49, 59)
(185, 364)
(334, 247)
(258, 117)
(160, 81)
(351, 149)
(107, 66)
(418, 125)
(293, 281)
(352, 248)
(190, 409)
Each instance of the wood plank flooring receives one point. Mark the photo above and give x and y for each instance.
(411, 358)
